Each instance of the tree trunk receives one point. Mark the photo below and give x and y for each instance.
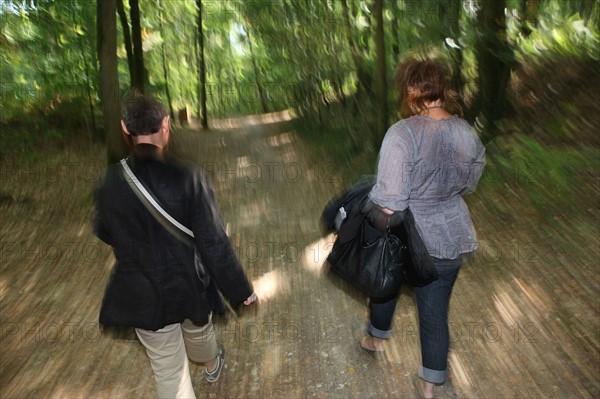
(364, 78)
(528, 10)
(126, 39)
(166, 77)
(395, 32)
(164, 62)
(236, 86)
(221, 94)
(109, 80)
(495, 60)
(201, 70)
(139, 74)
(380, 74)
(88, 87)
(220, 110)
(336, 79)
(98, 34)
(589, 11)
(364, 42)
(450, 11)
(257, 76)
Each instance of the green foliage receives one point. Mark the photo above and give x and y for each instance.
(46, 55)
(298, 53)
(564, 37)
(302, 55)
(551, 180)
(178, 36)
(344, 134)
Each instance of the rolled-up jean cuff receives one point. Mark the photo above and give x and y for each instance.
(378, 333)
(433, 376)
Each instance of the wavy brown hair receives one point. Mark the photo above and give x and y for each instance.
(419, 82)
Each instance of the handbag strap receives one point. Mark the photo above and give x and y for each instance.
(178, 230)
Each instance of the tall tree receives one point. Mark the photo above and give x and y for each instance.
(234, 77)
(109, 80)
(257, 74)
(495, 59)
(165, 64)
(528, 10)
(139, 75)
(589, 11)
(364, 78)
(88, 88)
(201, 70)
(395, 35)
(380, 73)
(450, 12)
(127, 40)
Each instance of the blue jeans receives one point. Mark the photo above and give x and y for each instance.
(432, 304)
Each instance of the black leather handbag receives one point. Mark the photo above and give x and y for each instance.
(368, 258)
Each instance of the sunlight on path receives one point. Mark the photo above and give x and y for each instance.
(315, 254)
(270, 284)
(251, 120)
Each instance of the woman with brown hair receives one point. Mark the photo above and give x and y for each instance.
(427, 162)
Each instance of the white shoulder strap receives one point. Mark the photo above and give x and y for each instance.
(141, 190)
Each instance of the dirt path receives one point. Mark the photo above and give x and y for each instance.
(524, 319)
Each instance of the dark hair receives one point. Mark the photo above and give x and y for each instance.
(143, 115)
(428, 83)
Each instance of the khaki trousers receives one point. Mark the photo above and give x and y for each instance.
(169, 349)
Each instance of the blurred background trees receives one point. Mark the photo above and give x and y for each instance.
(527, 71)
(330, 61)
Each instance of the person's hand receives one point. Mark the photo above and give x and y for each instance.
(380, 217)
(251, 299)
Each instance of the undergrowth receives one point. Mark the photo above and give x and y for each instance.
(38, 132)
(344, 134)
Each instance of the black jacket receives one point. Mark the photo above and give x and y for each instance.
(353, 199)
(155, 280)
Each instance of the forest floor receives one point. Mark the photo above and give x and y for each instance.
(524, 313)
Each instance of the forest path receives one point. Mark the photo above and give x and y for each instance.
(524, 317)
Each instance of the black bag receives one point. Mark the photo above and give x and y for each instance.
(420, 269)
(372, 260)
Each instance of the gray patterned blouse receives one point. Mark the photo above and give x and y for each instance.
(427, 165)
